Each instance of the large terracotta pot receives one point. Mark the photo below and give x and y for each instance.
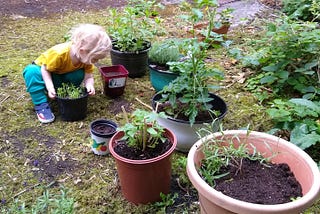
(142, 181)
(185, 133)
(300, 163)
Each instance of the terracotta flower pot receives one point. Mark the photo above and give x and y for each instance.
(142, 181)
(303, 167)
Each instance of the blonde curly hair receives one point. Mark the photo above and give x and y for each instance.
(90, 41)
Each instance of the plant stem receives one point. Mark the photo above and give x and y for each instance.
(125, 114)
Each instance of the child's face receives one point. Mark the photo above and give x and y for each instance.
(94, 58)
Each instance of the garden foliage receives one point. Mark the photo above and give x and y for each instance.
(287, 64)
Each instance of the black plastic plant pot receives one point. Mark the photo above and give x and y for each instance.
(73, 109)
(135, 62)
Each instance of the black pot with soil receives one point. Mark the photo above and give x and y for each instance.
(73, 109)
(135, 62)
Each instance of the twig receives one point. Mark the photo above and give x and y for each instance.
(146, 105)
(125, 114)
(4, 99)
(25, 190)
(181, 187)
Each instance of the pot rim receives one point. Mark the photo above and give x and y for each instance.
(220, 117)
(107, 123)
(239, 205)
(119, 134)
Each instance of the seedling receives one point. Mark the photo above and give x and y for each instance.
(69, 91)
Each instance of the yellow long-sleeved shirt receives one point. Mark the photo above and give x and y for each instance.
(57, 60)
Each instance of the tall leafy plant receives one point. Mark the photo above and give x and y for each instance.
(188, 94)
(142, 130)
(133, 26)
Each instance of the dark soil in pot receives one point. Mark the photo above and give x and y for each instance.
(125, 151)
(218, 105)
(259, 183)
(103, 129)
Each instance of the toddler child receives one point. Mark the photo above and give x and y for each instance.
(69, 62)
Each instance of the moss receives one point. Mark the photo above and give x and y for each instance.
(92, 180)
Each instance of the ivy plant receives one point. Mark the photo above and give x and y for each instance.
(307, 10)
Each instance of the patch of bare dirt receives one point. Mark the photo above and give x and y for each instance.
(275, 4)
(42, 8)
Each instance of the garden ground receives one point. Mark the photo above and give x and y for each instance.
(35, 156)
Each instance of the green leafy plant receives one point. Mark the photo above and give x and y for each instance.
(164, 51)
(166, 200)
(204, 15)
(288, 59)
(46, 203)
(300, 117)
(70, 91)
(142, 130)
(222, 152)
(189, 94)
(307, 10)
(133, 27)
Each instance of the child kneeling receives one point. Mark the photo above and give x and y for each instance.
(69, 62)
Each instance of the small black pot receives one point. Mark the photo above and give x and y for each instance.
(73, 109)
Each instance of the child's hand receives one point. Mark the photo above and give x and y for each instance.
(52, 93)
(90, 89)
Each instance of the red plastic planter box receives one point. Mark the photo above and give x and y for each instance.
(114, 79)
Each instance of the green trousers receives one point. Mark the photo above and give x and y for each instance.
(37, 88)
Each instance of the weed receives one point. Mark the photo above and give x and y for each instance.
(220, 153)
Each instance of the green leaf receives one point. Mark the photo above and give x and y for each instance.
(271, 68)
(267, 79)
(306, 103)
(301, 137)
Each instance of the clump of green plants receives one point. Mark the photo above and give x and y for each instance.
(300, 117)
(142, 129)
(68, 90)
(133, 26)
(286, 60)
(166, 201)
(220, 153)
(307, 10)
(164, 51)
(46, 203)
